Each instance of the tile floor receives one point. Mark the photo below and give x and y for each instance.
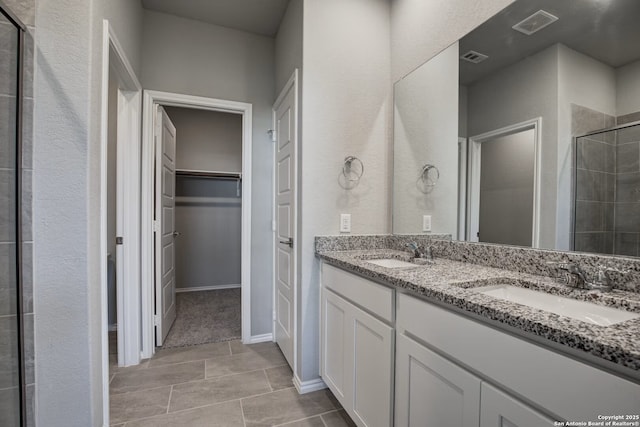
(218, 384)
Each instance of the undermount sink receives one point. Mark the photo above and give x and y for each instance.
(580, 310)
(391, 263)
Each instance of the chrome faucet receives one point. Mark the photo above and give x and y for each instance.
(419, 253)
(577, 277)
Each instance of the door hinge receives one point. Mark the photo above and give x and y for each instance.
(119, 240)
(273, 134)
(156, 226)
(156, 320)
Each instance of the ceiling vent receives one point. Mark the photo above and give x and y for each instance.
(535, 22)
(474, 57)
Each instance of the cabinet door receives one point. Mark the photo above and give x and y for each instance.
(372, 364)
(431, 391)
(501, 410)
(335, 325)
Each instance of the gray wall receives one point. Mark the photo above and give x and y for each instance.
(190, 57)
(420, 29)
(426, 132)
(207, 140)
(208, 211)
(346, 107)
(288, 48)
(66, 203)
(524, 91)
(588, 83)
(628, 89)
(506, 189)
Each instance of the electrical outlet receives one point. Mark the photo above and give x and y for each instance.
(426, 223)
(345, 223)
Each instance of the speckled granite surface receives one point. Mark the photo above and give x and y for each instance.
(514, 258)
(452, 282)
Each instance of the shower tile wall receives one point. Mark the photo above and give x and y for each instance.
(627, 200)
(25, 10)
(596, 179)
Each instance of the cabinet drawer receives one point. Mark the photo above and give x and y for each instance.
(375, 298)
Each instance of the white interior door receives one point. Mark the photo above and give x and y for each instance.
(285, 164)
(164, 226)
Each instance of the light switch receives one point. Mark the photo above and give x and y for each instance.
(426, 223)
(345, 223)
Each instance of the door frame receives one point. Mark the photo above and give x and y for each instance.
(129, 119)
(475, 147)
(152, 99)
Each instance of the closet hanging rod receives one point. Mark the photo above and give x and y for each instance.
(209, 174)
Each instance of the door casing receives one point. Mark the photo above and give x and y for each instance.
(151, 99)
(475, 146)
(128, 136)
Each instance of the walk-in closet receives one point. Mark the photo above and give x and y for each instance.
(208, 213)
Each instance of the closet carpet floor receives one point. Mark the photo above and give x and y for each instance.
(205, 317)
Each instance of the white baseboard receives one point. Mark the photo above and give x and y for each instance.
(304, 387)
(260, 338)
(207, 288)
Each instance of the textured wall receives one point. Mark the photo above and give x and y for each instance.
(426, 132)
(288, 49)
(420, 29)
(66, 203)
(190, 57)
(520, 92)
(346, 108)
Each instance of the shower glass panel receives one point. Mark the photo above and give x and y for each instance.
(607, 192)
(11, 390)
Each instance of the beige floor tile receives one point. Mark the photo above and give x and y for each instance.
(307, 422)
(244, 362)
(338, 419)
(280, 377)
(140, 404)
(285, 406)
(157, 377)
(228, 414)
(238, 347)
(189, 354)
(207, 392)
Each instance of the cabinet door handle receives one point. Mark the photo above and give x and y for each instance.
(288, 242)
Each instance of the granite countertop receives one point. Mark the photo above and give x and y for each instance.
(452, 283)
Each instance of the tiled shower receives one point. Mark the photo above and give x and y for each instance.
(607, 183)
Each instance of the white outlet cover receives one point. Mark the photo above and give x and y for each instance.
(345, 223)
(426, 223)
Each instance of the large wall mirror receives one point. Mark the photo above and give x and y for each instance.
(527, 131)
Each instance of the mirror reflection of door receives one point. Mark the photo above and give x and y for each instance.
(507, 189)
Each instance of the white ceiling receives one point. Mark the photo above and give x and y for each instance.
(255, 16)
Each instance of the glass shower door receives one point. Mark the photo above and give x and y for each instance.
(11, 390)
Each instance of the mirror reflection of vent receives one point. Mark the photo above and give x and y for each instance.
(535, 22)
(474, 57)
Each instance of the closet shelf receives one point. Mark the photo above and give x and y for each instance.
(208, 174)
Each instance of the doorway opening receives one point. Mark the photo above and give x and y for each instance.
(206, 236)
(197, 200)
(504, 185)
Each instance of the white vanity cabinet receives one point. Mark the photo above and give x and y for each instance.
(440, 354)
(431, 391)
(498, 409)
(357, 356)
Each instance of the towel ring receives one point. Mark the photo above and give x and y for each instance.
(429, 176)
(350, 171)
